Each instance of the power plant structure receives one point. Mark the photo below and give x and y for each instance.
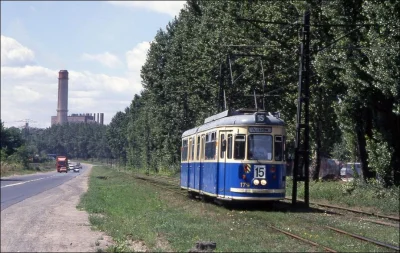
(62, 106)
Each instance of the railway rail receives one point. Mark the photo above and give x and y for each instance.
(382, 244)
(172, 188)
(167, 184)
(172, 181)
(315, 244)
(384, 223)
(360, 237)
(354, 210)
(302, 239)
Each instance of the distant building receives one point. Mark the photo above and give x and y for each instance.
(62, 106)
(82, 118)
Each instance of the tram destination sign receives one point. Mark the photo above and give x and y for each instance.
(260, 129)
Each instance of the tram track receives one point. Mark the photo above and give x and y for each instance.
(302, 239)
(292, 235)
(357, 236)
(172, 182)
(388, 224)
(362, 238)
(158, 184)
(168, 184)
(397, 225)
(394, 218)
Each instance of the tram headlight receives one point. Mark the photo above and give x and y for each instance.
(263, 182)
(256, 182)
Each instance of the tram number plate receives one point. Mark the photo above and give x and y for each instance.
(259, 171)
(244, 184)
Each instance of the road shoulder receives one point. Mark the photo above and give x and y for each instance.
(50, 222)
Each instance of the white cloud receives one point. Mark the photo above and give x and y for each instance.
(171, 8)
(135, 59)
(14, 54)
(30, 92)
(107, 59)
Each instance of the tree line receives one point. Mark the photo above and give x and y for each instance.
(12, 147)
(354, 103)
(75, 140)
(200, 56)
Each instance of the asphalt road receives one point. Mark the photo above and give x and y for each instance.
(17, 188)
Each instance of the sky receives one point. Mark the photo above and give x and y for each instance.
(103, 45)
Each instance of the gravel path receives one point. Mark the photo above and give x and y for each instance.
(50, 222)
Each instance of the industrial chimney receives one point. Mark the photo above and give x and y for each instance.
(101, 118)
(62, 109)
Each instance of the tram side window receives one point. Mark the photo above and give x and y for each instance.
(198, 148)
(223, 146)
(203, 144)
(278, 148)
(240, 146)
(184, 150)
(284, 148)
(210, 146)
(229, 146)
(192, 153)
(214, 146)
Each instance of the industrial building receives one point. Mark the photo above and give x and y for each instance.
(62, 106)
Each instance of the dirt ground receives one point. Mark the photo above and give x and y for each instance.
(50, 222)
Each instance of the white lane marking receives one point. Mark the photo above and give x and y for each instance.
(26, 181)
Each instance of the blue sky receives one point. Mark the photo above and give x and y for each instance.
(103, 43)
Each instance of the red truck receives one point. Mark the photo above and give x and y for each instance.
(62, 164)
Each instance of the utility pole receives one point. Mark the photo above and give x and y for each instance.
(301, 159)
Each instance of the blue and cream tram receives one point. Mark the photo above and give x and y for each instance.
(235, 155)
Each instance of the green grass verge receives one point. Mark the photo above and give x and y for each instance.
(132, 210)
(356, 194)
(129, 209)
(369, 197)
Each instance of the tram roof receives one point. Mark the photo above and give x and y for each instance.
(236, 120)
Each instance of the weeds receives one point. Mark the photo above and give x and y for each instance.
(356, 193)
(13, 168)
(140, 212)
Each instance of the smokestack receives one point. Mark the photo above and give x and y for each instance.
(62, 108)
(101, 118)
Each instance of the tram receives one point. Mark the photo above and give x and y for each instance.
(235, 155)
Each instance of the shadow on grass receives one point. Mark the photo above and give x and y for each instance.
(272, 206)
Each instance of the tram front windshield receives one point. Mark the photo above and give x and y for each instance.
(260, 147)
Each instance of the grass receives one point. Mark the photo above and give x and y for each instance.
(364, 196)
(312, 226)
(135, 210)
(10, 169)
(132, 210)
(355, 194)
(91, 161)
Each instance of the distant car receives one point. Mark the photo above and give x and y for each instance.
(78, 165)
(346, 172)
(76, 169)
(349, 169)
(71, 166)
